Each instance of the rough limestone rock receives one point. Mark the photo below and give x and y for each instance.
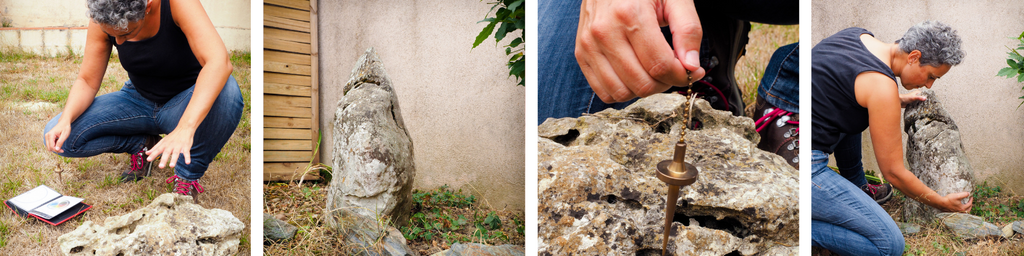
(598, 193)
(275, 230)
(1007, 231)
(968, 226)
(373, 154)
(1018, 226)
(170, 225)
(935, 153)
(368, 236)
(459, 249)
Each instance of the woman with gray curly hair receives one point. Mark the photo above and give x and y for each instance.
(854, 88)
(180, 85)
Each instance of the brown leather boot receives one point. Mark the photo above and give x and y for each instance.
(779, 130)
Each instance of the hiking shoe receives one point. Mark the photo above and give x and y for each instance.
(880, 193)
(139, 168)
(186, 187)
(779, 130)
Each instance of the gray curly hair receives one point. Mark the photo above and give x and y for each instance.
(117, 13)
(939, 44)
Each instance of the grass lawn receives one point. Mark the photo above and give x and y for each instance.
(33, 90)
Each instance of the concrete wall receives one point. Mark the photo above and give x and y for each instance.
(51, 27)
(464, 115)
(984, 106)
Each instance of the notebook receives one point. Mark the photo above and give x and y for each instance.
(47, 205)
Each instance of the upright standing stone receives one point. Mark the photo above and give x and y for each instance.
(373, 156)
(935, 153)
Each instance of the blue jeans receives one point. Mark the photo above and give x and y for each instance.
(780, 85)
(120, 122)
(844, 219)
(562, 89)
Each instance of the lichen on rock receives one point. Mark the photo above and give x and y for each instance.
(935, 154)
(598, 193)
(170, 225)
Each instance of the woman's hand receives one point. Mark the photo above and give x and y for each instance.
(624, 55)
(56, 137)
(953, 202)
(178, 142)
(911, 97)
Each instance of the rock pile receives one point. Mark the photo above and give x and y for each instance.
(598, 193)
(171, 224)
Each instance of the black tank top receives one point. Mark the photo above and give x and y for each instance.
(834, 68)
(163, 65)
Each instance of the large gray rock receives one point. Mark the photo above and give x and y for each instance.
(373, 154)
(598, 193)
(364, 235)
(908, 228)
(935, 153)
(1018, 226)
(474, 249)
(170, 225)
(968, 226)
(275, 230)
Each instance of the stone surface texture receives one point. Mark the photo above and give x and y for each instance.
(459, 249)
(599, 195)
(170, 225)
(1018, 226)
(908, 228)
(364, 235)
(1007, 231)
(373, 153)
(968, 226)
(275, 230)
(934, 153)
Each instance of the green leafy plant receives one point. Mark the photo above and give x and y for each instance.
(1016, 63)
(510, 15)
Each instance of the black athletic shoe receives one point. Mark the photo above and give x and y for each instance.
(880, 193)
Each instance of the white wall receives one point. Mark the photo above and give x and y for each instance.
(51, 27)
(464, 115)
(982, 105)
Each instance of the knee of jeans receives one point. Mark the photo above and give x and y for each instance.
(894, 245)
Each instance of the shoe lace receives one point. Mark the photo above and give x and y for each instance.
(775, 114)
(873, 188)
(183, 186)
(138, 160)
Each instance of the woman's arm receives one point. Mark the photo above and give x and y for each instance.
(880, 96)
(213, 56)
(90, 75)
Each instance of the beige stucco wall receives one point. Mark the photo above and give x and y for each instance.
(464, 115)
(49, 27)
(984, 106)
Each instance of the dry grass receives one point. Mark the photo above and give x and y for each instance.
(764, 40)
(936, 239)
(25, 163)
(303, 206)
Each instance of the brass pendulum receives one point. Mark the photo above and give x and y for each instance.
(676, 172)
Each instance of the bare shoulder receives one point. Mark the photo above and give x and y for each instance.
(873, 86)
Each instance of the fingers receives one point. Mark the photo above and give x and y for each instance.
(686, 32)
(60, 142)
(653, 54)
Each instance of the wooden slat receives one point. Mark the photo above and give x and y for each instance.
(286, 35)
(276, 101)
(288, 134)
(315, 68)
(288, 68)
(288, 172)
(290, 13)
(297, 4)
(287, 111)
(286, 89)
(286, 156)
(287, 46)
(286, 79)
(287, 144)
(287, 122)
(287, 57)
(283, 23)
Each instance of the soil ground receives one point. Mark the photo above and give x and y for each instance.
(936, 239)
(303, 206)
(32, 91)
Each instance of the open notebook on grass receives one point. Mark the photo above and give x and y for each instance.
(47, 205)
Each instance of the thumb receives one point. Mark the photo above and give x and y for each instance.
(686, 31)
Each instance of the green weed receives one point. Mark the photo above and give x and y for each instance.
(4, 232)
